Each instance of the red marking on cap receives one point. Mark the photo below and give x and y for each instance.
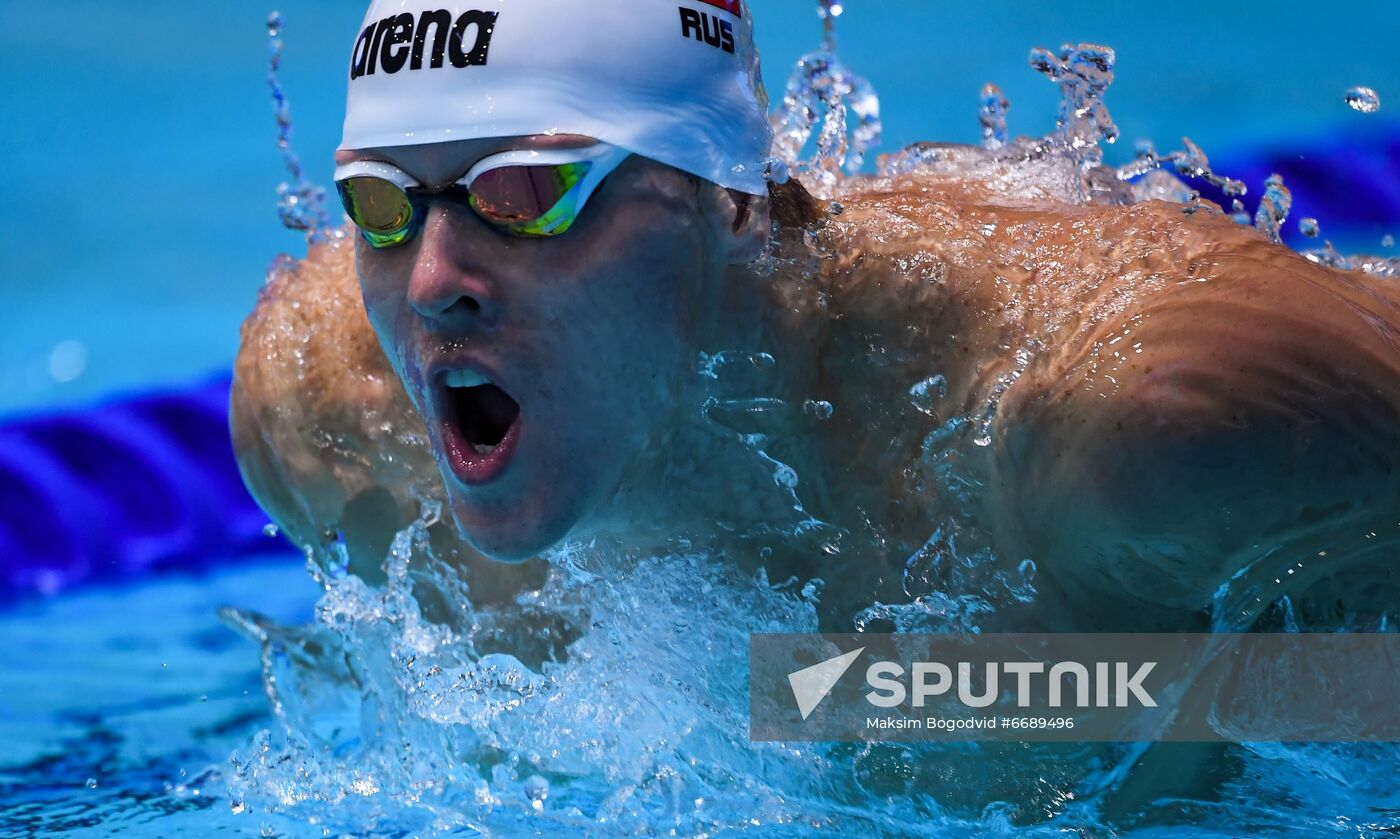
(734, 7)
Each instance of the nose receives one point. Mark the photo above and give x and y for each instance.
(446, 288)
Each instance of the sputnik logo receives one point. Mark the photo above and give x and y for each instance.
(811, 685)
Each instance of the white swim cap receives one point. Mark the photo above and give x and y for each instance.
(673, 80)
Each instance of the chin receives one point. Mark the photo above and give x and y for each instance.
(511, 535)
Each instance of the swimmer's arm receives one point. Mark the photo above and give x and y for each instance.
(1242, 425)
(321, 428)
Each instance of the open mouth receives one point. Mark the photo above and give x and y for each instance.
(481, 420)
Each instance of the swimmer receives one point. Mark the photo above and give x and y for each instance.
(556, 233)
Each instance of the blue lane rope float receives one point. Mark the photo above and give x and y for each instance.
(135, 485)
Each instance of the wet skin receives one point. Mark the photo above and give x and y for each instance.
(1196, 405)
(592, 333)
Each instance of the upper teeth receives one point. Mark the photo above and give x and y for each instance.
(466, 378)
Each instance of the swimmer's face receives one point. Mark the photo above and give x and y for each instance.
(545, 367)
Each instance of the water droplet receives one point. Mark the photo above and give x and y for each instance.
(927, 392)
(1387, 241)
(823, 97)
(992, 114)
(830, 9)
(776, 171)
(91, 783)
(821, 409)
(1084, 74)
(1274, 207)
(301, 205)
(1237, 212)
(270, 530)
(236, 806)
(1308, 227)
(1363, 99)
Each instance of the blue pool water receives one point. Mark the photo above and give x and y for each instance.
(115, 703)
(138, 222)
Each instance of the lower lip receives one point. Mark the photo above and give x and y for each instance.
(471, 467)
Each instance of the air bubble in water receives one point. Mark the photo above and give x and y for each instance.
(1363, 99)
(1308, 227)
(821, 409)
(1387, 241)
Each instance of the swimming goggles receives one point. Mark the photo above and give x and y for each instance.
(523, 192)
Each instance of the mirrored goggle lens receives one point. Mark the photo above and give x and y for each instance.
(530, 200)
(381, 210)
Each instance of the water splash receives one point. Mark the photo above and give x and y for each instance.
(1084, 73)
(605, 697)
(1362, 99)
(1064, 166)
(1190, 162)
(387, 718)
(1328, 255)
(829, 11)
(1274, 207)
(992, 115)
(824, 91)
(301, 205)
(926, 394)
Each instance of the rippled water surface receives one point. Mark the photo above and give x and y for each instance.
(116, 703)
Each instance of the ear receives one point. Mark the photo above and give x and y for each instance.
(746, 223)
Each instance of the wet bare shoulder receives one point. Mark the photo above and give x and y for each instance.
(1246, 414)
(318, 416)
